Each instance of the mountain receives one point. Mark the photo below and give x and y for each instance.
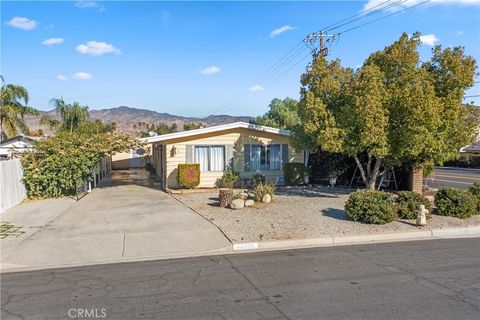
(126, 117)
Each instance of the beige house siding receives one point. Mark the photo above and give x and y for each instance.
(121, 160)
(236, 138)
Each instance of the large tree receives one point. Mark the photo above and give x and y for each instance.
(393, 111)
(13, 109)
(281, 114)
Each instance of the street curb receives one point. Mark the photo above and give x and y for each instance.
(250, 247)
(357, 239)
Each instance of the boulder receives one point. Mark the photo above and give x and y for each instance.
(244, 195)
(251, 195)
(267, 198)
(237, 204)
(249, 203)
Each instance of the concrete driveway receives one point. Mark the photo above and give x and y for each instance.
(124, 219)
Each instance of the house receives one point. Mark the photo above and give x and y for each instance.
(244, 147)
(17, 144)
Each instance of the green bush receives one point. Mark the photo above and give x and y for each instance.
(262, 189)
(371, 206)
(188, 175)
(294, 173)
(455, 202)
(256, 179)
(408, 203)
(475, 191)
(229, 179)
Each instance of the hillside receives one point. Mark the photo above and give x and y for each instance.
(126, 117)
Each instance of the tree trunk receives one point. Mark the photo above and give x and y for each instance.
(373, 179)
(360, 168)
(225, 197)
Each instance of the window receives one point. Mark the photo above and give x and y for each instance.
(210, 158)
(264, 157)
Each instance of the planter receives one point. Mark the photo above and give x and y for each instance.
(332, 181)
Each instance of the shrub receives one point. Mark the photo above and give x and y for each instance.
(408, 203)
(294, 173)
(262, 189)
(188, 175)
(455, 202)
(257, 178)
(229, 178)
(371, 206)
(475, 191)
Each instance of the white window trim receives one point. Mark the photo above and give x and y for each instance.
(212, 145)
(265, 145)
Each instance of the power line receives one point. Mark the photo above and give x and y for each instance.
(388, 15)
(472, 96)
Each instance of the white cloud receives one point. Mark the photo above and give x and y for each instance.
(82, 76)
(460, 33)
(256, 88)
(52, 41)
(210, 70)
(22, 23)
(372, 3)
(429, 39)
(281, 30)
(95, 48)
(61, 77)
(89, 5)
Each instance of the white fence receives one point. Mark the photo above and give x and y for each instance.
(12, 190)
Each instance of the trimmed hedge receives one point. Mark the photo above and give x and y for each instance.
(371, 206)
(294, 173)
(455, 202)
(188, 175)
(475, 191)
(408, 203)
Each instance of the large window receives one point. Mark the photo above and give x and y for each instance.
(210, 158)
(265, 157)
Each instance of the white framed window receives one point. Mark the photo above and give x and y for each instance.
(265, 157)
(210, 158)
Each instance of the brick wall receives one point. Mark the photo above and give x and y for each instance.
(416, 180)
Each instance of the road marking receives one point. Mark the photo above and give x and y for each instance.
(432, 180)
(455, 176)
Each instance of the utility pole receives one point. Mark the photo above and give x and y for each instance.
(323, 38)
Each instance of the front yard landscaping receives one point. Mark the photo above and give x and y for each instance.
(301, 213)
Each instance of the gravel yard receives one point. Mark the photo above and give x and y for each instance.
(299, 212)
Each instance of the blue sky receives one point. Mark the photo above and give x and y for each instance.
(199, 58)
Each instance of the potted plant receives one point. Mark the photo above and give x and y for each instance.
(336, 167)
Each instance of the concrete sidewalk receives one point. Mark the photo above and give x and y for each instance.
(124, 219)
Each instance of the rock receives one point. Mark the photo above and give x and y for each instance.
(267, 198)
(237, 204)
(251, 195)
(244, 195)
(249, 203)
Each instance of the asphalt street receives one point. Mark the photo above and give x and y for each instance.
(436, 279)
(454, 177)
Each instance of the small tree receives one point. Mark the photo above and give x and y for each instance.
(393, 111)
(192, 126)
(281, 114)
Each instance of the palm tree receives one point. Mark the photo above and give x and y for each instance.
(13, 108)
(71, 115)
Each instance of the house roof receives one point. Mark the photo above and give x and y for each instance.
(473, 148)
(20, 137)
(223, 127)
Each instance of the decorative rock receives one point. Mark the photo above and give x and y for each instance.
(237, 204)
(251, 195)
(249, 203)
(244, 195)
(267, 198)
(422, 216)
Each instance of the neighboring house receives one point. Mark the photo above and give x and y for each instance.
(127, 160)
(473, 148)
(18, 144)
(245, 147)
